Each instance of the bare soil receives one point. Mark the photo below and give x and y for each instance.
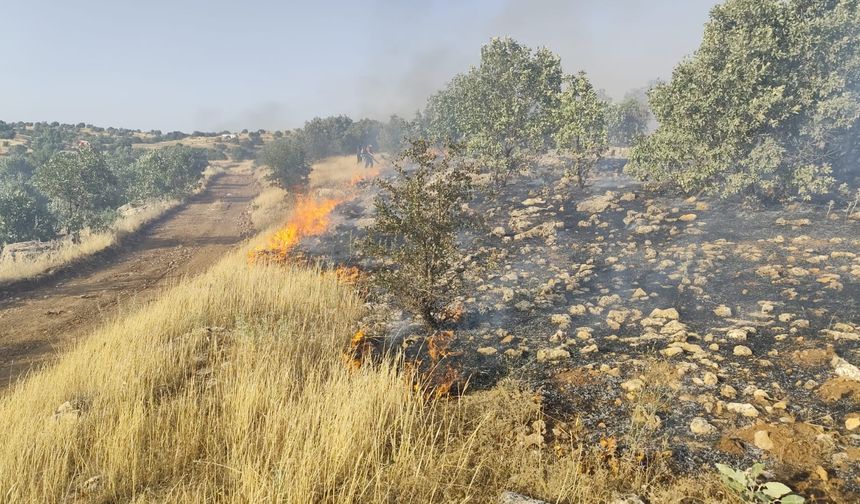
(38, 320)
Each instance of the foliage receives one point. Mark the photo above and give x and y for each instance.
(7, 132)
(325, 136)
(627, 121)
(46, 143)
(393, 135)
(164, 173)
(288, 160)
(24, 213)
(581, 123)
(746, 483)
(768, 105)
(502, 108)
(418, 217)
(82, 189)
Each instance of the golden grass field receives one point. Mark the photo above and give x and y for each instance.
(233, 388)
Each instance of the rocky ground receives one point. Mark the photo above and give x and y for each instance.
(718, 331)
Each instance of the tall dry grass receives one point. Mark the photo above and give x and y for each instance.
(232, 388)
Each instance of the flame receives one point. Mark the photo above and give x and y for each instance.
(309, 218)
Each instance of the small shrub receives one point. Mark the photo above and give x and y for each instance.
(414, 237)
(747, 485)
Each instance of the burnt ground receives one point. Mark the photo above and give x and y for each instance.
(727, 333)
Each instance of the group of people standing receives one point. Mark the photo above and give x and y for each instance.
(365, 154)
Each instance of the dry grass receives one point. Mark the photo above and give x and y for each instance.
(91, 243)
(233, 388)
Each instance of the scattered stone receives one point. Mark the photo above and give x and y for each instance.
(690, 217)
(666, 314)
(552, 354)
(762, 440)
(596, 204)
(723, 311)
(744, 409)
(632, 385)
(710, 379)
(728, 392)
(742, 351)
(845, 369)
(487, 351)
(852, 422)
(701, 427)
(671, 351)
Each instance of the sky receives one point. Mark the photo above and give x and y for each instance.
(211, 65)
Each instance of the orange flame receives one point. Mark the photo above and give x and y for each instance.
(309, 218)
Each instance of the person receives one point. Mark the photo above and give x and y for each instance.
(359, 155)
(368, 157)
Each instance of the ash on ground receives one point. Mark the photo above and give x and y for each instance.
(731, 333)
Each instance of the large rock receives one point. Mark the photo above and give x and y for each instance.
(596, 204)
(23, 251)
(701, 427)
(552, 354)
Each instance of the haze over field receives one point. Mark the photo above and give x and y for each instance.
(213, 65)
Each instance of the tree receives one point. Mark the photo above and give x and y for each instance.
(627, 121)
(414, 235)
(7, 132)
(767, 106)
(324, 136)
(24, 213)
(392, 137)
(502, 109)
(81, 188)
(169, 172)
(581, 126)
(288, 161)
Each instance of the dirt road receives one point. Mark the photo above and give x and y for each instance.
(38, 322)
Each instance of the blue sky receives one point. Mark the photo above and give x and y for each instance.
(211, 65)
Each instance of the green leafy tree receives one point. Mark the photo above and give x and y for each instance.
(287, 159)
(767, 106)
(24, 213)
(7, 132)
(414, 236)
(81, 187)
(581, 127)
(501, 109)
(324, 136)
(169, 172)
(392, 137)
(627, 121)
(47, 142)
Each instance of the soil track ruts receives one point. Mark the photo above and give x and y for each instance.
(41, 319)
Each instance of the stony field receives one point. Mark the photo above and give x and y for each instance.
(715, 330)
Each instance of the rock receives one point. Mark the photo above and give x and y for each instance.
(646, 228)
(737, 333)
(666, 314)
(577, 310)
(852, 422)
(66, 412)
(515, 498)
(487, 351)
(743, 409)
(845, 369)
(639, 294)
(596, 204)
(690, 217)
(499, 231)
(723, 311)
(742, 351)
(701, 427)
(728, 392)
(552, 354)
(588, 349)
(561, 320)
(28, 250)
(671, 351)
(710, 379)
(632, 385)
(626, 499)
(762, 440)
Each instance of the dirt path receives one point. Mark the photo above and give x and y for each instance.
(37, 322)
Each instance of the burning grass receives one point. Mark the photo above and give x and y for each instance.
(309, 217)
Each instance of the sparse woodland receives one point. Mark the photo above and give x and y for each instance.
(481, 318)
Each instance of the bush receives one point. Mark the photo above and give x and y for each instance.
(24, 213)
(767, 106)
(581, 127)
(82, 189)
(288, 161)
(165, 173)
(414, 236)
(7, 132)
(627, 121)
